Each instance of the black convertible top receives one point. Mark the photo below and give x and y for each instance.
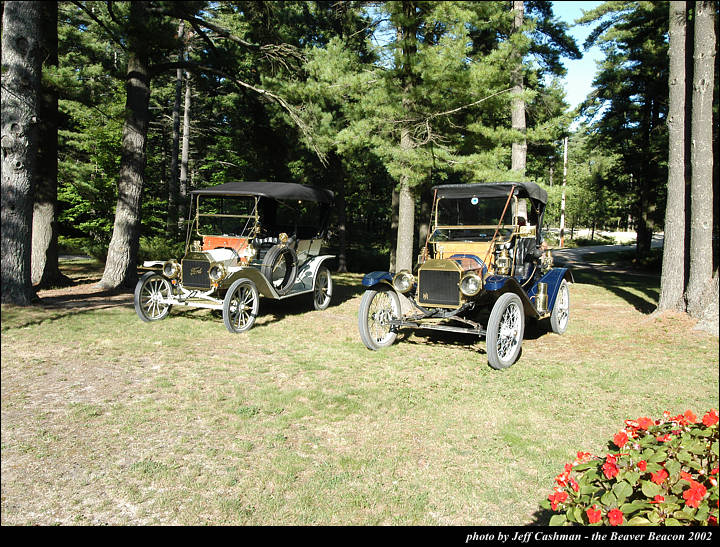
(492, 190)
(274, 190)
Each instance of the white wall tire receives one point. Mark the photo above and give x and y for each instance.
(505, 331)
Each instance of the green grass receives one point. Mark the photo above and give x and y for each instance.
(106, 419)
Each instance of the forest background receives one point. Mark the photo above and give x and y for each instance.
(114, 111)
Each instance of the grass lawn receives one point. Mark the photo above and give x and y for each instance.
(109, 420)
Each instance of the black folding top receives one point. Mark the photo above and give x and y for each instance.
(492, 190)
(274, 190)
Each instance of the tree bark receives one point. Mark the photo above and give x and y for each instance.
(121, 267)
(173, 184)
(406, 219)
(21, 74)
(45, 270)
(701, 193)
(185, 157)
(339, 171)
(519, 149)
(672, 283)
(394, 204)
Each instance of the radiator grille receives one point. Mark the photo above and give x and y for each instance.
(439, 287)
(195, 273)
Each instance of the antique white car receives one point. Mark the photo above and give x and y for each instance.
(245, 240)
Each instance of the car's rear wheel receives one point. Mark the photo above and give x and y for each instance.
(240, 307)
(150, 293)
(505, 330)
(322, 290)
(280, 268)
(561, 310)
(377, 308)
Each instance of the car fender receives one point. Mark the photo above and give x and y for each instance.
(503, 284)
(553, 278)
(308, 270)
(373, 279)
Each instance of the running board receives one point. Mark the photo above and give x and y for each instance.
(479, 331)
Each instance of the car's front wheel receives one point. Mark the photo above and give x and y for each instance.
(151, 294)
(240, 307)
(322, 291)
(561, 310)
(505, 330)
(377, 308)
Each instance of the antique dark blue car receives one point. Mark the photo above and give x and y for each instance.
(484, 270)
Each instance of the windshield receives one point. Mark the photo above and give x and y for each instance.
(471, 219)
(226, 215)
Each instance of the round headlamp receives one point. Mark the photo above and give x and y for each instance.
(171, 269)
(403, 281)
(471, 284)
(217, 272)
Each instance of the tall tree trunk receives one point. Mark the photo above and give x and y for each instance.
(339, 171)
(672, 283)
(406, 214)
(701, 197)
(394, 205)
(21, 74)
(519, 149)
(185, 157)
(121, 267)
(45, 269)
(406, 32)
(173, 184)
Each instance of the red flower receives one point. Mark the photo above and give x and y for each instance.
(665, 438)
(593, 514)
(711, 418)
(690, 416)
(642, 465)
(659, 477)
(575, 486)
(557, 497)
(582, 457)
(610, 469)
(620, 439)
(645, 423)
(694, 495)
(684, 475)
(658, 499)
(616, 517)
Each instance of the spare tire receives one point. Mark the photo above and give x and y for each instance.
(279, 266)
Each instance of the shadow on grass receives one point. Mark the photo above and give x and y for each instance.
(542, 517)
(619, 283)
(271, 311)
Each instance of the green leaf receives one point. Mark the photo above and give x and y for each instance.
(639, 521)
(622, 490)
(588, 489)
(673, 467)
(659, 456)
(609, 499)
(650, 489)
(558, 520)
(672, 522)
(632, 477)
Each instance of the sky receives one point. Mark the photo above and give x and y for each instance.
(578, 81)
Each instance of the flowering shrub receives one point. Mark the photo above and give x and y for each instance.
(659, 472)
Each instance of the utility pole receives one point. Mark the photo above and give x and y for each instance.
(562, 202)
